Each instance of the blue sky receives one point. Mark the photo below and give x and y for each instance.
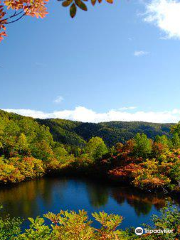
(114, 62)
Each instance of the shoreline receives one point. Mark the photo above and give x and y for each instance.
(101, 178)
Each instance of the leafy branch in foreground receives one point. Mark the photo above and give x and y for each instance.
(73, 225)
(12, 11)
(74, 4)
(9, 227)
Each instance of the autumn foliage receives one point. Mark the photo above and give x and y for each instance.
(67, 225)
(146, 164)
(13, 10)
(28, 150)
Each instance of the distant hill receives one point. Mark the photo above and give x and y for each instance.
(76, 133)
(64, 131)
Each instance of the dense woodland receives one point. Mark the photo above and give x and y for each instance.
(76, 133)
(31, 148)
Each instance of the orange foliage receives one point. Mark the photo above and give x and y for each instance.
(33, 8)
(17, 169)
(2, 23)
(159, 170)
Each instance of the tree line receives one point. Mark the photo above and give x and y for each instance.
(28, 150)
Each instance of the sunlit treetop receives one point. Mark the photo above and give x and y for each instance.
(13, 10)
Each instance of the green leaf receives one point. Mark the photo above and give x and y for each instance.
(81, 5)
(73, 10)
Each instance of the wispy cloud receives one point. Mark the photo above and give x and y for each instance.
(140, 53)
(165, 14)
(87, 115)
(58, 100)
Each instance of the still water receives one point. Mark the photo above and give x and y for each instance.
(34, 198)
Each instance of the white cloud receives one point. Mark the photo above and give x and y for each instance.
(29, 113)
(165, 14)
(87, 115)
(140, 53)
(58, 100)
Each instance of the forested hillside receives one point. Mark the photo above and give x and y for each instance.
(64, 131)
(30, 148)
(77, 133)
(74, 133)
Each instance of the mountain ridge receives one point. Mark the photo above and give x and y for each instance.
(77, 133)
(111, 132)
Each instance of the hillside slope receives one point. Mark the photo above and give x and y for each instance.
(76, 133)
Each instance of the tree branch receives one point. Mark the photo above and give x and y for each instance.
(17, 19)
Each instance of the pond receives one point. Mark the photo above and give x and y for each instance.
(34, 198)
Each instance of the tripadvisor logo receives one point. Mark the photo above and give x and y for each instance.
(138, 231)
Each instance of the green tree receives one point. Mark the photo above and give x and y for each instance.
(142, 145)
(96, 148)
(23, 146)
(60, 151)
(163, 140)
(176, 129)
(10, 136)
(42, 150)
(176, 140)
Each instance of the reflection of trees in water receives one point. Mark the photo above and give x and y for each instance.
(21, 198)
(98, 194)
(141, 202)
(27, 199)
(34, 197)
(54, 188)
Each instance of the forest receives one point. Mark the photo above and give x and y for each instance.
(75, 133)
(31, 148)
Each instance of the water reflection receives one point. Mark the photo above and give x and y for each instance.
(37, 197)
(141, 202)
(98, 194)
